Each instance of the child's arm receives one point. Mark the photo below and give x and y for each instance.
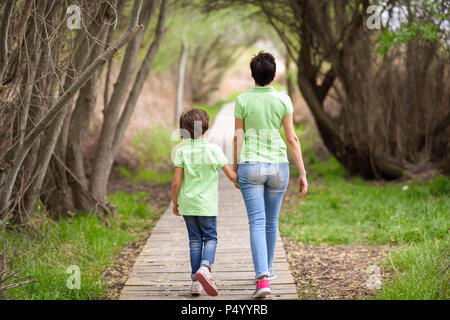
(230, 173)
(176, 185)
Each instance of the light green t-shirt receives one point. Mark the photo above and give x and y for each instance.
(263, 110)
(200, 161)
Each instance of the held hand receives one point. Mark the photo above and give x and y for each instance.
(175, 209)
(231, 174)
(303, 185)
(235, 181)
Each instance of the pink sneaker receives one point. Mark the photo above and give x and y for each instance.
(262, 288)
(204, 277)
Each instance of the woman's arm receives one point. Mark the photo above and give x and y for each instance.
(237, 141)
(176, 185)
(237, 144)
(294, 147)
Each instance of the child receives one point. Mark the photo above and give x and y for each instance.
(195, 195)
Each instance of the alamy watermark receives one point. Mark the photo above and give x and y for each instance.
(374, 280)
(374, 20)
(74, 19)
(74, 280)
(266, 142)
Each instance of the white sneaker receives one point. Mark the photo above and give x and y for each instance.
(196, 288)
(204, 277)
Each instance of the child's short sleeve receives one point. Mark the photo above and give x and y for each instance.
(238, 109)
(288, 105)
(178, 161)
(221, 159)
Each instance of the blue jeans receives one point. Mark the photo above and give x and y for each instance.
(202, 241)
(263, 186)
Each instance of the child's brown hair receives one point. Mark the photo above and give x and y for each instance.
(188, 124)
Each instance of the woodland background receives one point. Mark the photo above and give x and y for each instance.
(87, 115)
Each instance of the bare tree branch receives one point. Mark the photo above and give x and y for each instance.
(4, 33)
(60, 104)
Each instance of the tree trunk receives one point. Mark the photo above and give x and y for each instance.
(78, 128)
(289, 77)
(109, 38)
(141, 77)
(111, 113)
(4, 33)
(180, 81)
(61, 191)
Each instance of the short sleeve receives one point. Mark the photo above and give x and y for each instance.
(178, 161)
(221, 159)
(288, 105)
(238, 109)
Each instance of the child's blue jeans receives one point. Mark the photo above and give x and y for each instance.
(263, 186)
(202, 241)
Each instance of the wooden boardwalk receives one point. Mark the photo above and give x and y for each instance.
(162, 271)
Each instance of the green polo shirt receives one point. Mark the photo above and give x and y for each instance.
(263, 110)
(200, 161)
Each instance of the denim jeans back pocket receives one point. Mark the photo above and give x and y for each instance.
(280, 178)
(250, 173)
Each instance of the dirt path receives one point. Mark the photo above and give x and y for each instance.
(328, 272)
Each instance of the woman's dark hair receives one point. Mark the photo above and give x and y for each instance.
(191, 121)
(263, 68)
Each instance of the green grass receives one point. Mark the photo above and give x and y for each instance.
(153, 149)
(150, 176)
(154, 146)
(338, 211)
(84, 241)
(413, 218)
(422, 272)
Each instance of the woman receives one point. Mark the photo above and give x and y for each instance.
(263, 168)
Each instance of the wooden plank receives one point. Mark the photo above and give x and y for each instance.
(137, 280)
(221, 284)
(186, 268)
(185, 276)
(220, 256)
